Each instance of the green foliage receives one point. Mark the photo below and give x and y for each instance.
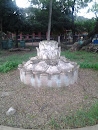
(54, 124)
(83, 58)
(11, 17)
(85, 25)
(94, 9)
(33, 19)
(88, 65)
(80, 118)
(7, 66)
(86, 97)
(12, 61)
(39, 19)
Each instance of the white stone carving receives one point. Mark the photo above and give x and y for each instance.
(52, 70)
(65, 66)
(41, 66)
(10, 111)
(48, 63)
(48, 50)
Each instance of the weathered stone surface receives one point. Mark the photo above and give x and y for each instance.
(48, 50)
(63, 58)
(34, 58)
(48, 63)
(53, 70)
(63, 66)
(4, 94)
(27, 63)
(10, 111)
(41, 66)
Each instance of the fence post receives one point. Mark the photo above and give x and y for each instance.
(58, 39)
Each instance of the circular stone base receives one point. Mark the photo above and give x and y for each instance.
(47, 80)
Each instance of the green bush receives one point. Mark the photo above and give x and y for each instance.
(9, 65)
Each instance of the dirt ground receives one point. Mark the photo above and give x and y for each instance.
(35, 107)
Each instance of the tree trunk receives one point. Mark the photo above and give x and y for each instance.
(0, 32)
(49, 22)
(1, 25)
(16, 44)
(95, 9)
(88, 40)
(0, 38)
(73, 28)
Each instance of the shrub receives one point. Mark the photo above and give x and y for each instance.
(9, 65)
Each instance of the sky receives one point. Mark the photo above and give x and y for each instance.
(82, 12)
(22, 3)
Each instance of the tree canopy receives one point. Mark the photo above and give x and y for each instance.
(12, 17)
(35, 17)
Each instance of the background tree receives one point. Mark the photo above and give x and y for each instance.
(92, 28)
(7, 8)
(12, 18)
(49, 22)
(94, 9)
(61, 17)
(76, 5)
(35, 18)
(85, 25)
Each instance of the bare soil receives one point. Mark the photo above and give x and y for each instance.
(35, 107)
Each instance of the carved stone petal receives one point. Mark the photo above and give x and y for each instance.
(41, 66)
(30, 67)
(27, 63)
(53, 70)
(63, 58)
(65, 66)
(34, 58)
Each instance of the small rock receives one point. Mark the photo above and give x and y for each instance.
(4, 94)
(11, 111)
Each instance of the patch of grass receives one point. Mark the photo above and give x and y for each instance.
(86, 97)
(9, 65)
(54, 124)
(19, 57)
(1, 53)
(88, 65)
(83, 58)
(80, 118)
(11, 62)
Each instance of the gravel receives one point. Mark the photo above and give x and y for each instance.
(35, 107)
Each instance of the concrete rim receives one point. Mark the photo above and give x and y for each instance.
(95, 127)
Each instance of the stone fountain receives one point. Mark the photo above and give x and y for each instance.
(48, 68)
